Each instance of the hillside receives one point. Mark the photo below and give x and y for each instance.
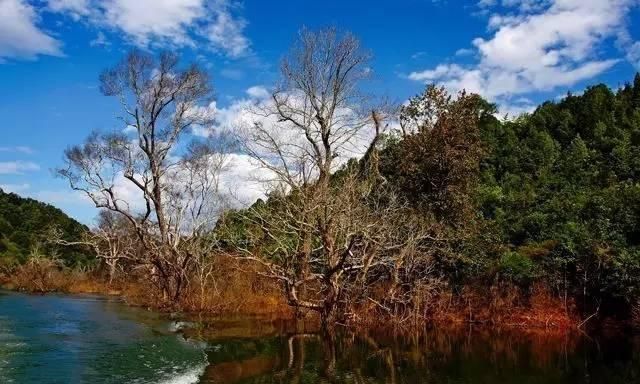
(23, 225)
(550, 199)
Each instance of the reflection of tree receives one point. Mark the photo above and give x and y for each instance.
(296, 357)
(329, 356)
(236, 371)
(430, 357)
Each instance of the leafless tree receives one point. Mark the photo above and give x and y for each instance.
(139, 173)
(325, 216)
(113, 241)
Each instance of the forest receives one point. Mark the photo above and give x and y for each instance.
(437, 209)
(24, 225)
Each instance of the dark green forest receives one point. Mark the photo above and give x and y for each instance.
(24, 228)
(560, 189)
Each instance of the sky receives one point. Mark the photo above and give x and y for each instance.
(516, 53)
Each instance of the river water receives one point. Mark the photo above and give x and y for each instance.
(84, 339)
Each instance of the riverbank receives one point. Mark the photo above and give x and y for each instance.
(227, 291)
(234, 292)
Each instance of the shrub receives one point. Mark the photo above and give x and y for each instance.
(517, 268)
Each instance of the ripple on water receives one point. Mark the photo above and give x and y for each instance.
(67, 339)
(191, 376)
(10, 347)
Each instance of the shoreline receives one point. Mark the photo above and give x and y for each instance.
(539, 318)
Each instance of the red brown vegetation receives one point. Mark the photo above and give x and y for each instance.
(235, 288)
(502, 306)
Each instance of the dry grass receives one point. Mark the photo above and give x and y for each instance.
(229, 289)
(498, 307)
(235, 288)
(238, 289)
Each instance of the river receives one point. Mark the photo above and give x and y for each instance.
(86, 339)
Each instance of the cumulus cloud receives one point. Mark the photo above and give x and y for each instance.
(175, 23)
(17, 167)
(536, 46)
(145, 21)
(243, 180)
(244, 177)
(20, 36)
(258, 92)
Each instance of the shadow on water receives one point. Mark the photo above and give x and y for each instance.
(436, 356)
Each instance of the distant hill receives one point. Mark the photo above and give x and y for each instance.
(23, 226)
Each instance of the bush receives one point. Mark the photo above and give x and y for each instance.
(517, 268)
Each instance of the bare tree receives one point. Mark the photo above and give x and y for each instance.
(138, 172)
(113, 241)
(324, 216)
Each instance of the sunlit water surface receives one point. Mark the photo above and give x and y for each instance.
(84, 339)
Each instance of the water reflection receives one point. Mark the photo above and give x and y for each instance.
(77, 340)
(432, 357)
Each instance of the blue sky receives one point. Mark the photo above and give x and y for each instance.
(514, 52)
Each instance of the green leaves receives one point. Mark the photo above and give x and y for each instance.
(570, 174)
(517, 268)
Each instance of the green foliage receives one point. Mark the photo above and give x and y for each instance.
(517, 268)
(569, 174)
(24, 224)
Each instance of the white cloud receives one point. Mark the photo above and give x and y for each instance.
(258, 92)
(100, 40)
(630, 47)
(510, 110)
(226, 33)
(247, 180)
(75, 8)
(536, 46)
(242, 180)
(441, 71)
(20, 37)
(173, 23)
(464, 52)
(146, 21)
(522, 5)
(350, 139)
(17, 167)
(74, 203)
(633, 54)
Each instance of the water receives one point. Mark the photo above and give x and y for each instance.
(83, 339)
(75, 339)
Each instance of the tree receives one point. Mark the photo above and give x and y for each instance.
(167, 198)
(114, 242)
(324, 228)
(437, 162)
